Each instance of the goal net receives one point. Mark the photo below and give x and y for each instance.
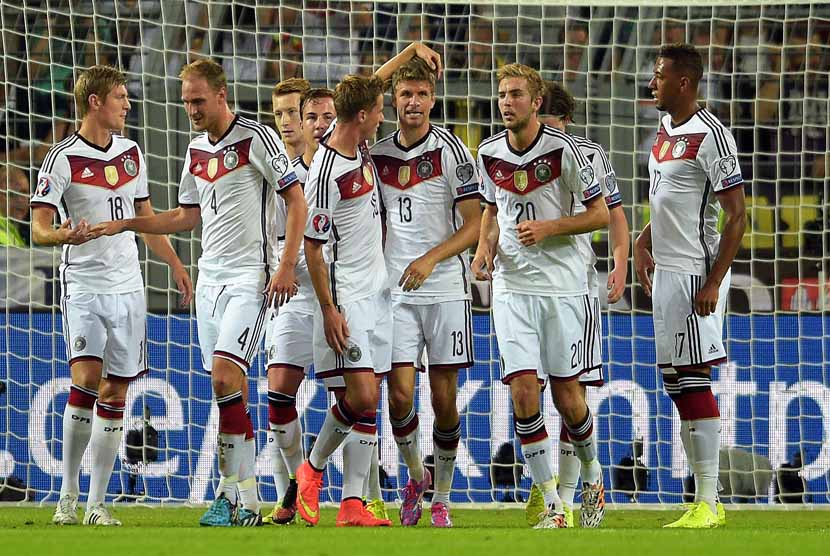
(767, 75)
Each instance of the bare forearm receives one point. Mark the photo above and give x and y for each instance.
(619, 236)
(318, 271)
(46, 236)
(169, 222)
(489, 235)
(594, 218)
(294, 226)
(456, 244)
(644, 239)
(386, 70)
(730, 242)
(162, 248)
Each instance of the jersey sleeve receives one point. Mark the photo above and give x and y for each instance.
(322, 196)
(719, 157)
(270, 158)
(188, 192)
(460, 170)
(607, 179)
(578, 174)
(486, 187)
(142, 187)
(52, 180)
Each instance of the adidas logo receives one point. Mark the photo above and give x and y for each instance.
(87, 173)
(355, 187)
(713, 349)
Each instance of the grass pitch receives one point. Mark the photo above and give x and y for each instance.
(164, 531)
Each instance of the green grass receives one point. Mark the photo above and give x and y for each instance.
(166, 531)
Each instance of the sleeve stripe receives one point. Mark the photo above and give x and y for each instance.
(271, 147)
(491, 139)
(717, 130)
(453, 142)
(323, 180)
(52, 156)
(581, 159)
(597, 148)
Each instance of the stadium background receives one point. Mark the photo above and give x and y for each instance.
(767, 79)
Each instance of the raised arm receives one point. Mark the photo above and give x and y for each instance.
(413, 49)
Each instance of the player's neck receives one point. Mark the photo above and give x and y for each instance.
(308, 154)
(345, 139)
(295, 150)
(222, 126)
(408, 136)
(524, 138)
(94, 133)
(682, 114)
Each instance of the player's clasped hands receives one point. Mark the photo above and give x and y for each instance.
(77, 235)
(109, 228)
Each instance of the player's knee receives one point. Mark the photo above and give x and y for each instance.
(400, 402)
(571, 408)
(443, 402)
(525, 398)
(223, 384)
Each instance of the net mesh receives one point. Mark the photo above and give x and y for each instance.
(766, 78)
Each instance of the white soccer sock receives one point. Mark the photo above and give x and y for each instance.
(537, 450)
(705, 440)
(77, 428)
(289, 438)
(278, 467)
(569, 467)
(107, 431)
(405, 432)
(247, 477)
(358, 452)
(335, 430)
(445, 453)
(372, 489)
(584, 443)
(231, 453)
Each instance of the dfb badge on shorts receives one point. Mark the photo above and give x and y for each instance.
(424, 169)
(353, 353)
(543, 172)
(231, 160)
(130, 167)
(79, 344)
(272, 352)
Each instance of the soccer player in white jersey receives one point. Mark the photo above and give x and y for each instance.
(353, 327)
(285, 101)
(429, 188)
(92, 176)
(694, 172)
(290, 331)
(229, 175)
(531, 175)
(557, 111)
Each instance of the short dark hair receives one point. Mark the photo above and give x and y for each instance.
(315, 94)
(355, 93)
(415, 69)
(685, 59)
(557, 101)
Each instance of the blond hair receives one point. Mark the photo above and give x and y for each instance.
(99, 81)
(208, 70)
(415, 69)
(535, 85)
(356, 93)
(291, 85)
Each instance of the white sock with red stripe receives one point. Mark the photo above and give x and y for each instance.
(405, 432)
(537, 450)
(107, 432)
(77, 428)
(358, 451)
(585, 446)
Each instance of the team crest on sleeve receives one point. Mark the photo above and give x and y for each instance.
(130, 166)
(279, 163)
(679, 147)
(111, 174)
(727, 164)
(586, 175)
(520, 180)
(79, 344)
(231, 159)
(464, 172)
(43, 187)
(272, 352)
(404, 174)
(321, 223)
(424, 169)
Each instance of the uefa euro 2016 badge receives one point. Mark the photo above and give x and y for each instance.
(520, 180)
(130, 167)
(424, 169)
(353, 353)
(679, 147)
(231, 160)
(542, 172)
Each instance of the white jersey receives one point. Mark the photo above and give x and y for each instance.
(687, 165)
(420, 188)
(233, 180)
(86, 182)
(305, 295)
(608, 183)
(539, 183)
(343, 212)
